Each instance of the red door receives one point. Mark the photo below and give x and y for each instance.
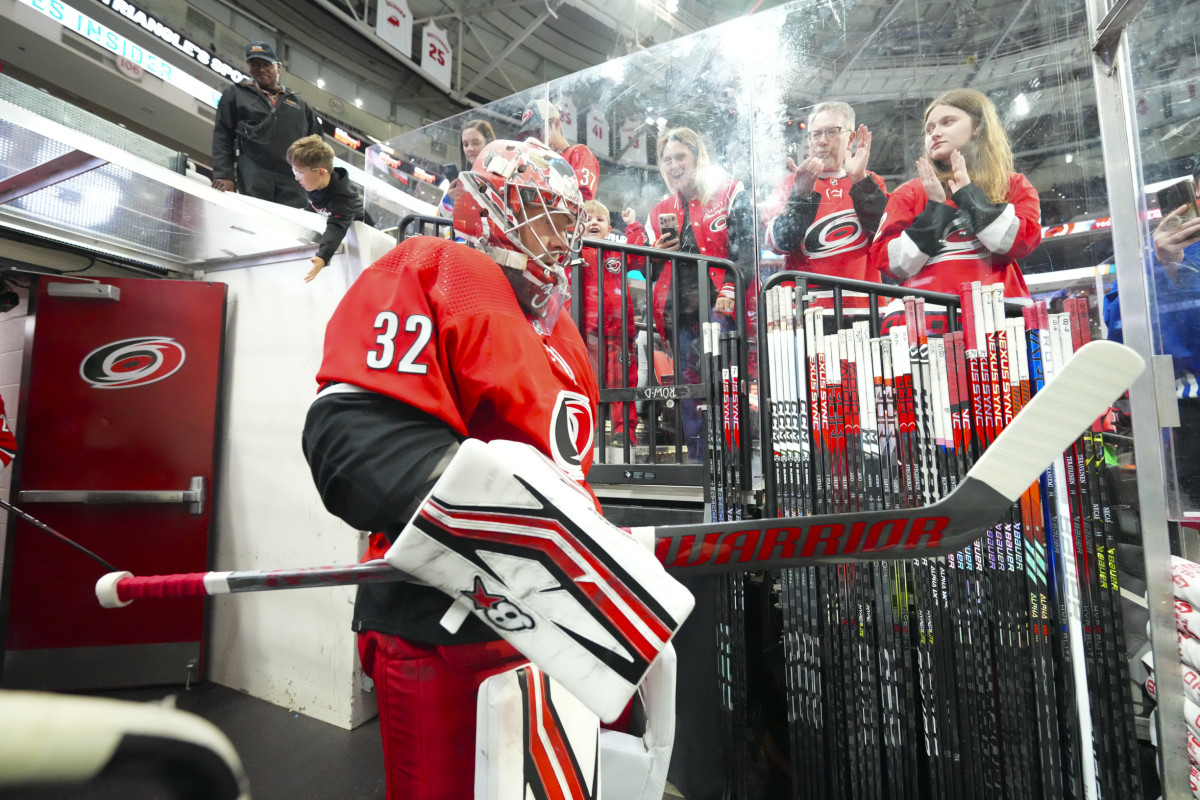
(118, 422)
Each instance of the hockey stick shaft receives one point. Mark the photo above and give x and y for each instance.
(1056, 416)
(43, 526)
(121, 588)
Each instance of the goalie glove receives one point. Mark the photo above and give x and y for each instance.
(512, 539)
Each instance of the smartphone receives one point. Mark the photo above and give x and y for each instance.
(1176, 195)
(668, 223)
(450, 171)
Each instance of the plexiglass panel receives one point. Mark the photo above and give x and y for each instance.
(131, 199)
(1166, 76)
(746, 93)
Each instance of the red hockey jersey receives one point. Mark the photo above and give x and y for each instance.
(961, 253)
(634, 234)
(837, 242)
(435, 324)
(587, 169)
(710, 225)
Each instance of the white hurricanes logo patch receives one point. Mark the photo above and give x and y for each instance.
(959, 244)
(835, 234)
(571, 431)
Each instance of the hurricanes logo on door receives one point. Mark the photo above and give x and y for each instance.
(127, 363)
(571, 431)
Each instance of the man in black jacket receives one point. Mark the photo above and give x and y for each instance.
(256, 123)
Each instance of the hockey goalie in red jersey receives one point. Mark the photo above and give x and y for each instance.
(435, 343)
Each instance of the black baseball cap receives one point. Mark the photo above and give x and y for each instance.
(536, 118)
(261, 50)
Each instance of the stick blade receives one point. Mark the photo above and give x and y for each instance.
(1095, 376)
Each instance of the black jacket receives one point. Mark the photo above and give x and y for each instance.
(340, 204)
(248, 121)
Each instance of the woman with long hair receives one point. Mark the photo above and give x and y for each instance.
(476, 134)
(967, 216)
(712, 216)
(710, 210)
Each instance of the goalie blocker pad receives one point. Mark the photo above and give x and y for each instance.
(534, 740)
(511, 538)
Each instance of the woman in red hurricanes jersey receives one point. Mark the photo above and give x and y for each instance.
(968, 216)
(436, 342)
(713, 217)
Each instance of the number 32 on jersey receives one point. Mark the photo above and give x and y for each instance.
(388, 323)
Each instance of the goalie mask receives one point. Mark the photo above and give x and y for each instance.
(521, 204)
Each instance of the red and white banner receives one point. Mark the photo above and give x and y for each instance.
(632, 142)
(597, 132)
(569, 114)
(436, 54)
(394, 25)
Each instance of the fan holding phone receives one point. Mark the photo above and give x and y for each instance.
(1176, 280)
(706, 212)
(1179, 230)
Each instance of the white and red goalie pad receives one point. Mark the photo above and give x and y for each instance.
(635, 767)
(510, 537)
(534, 739)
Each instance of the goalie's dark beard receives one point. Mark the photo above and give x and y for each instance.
(542, 302)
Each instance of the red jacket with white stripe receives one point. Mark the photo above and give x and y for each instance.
(938, 246)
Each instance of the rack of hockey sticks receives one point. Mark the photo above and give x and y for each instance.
(728, 469)
(996, 671)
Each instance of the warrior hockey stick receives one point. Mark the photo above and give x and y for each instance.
(1056, 416)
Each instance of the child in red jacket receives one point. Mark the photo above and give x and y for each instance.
(618, 354)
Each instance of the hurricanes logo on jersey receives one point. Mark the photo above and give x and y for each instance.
(719, 223)
(127, 363)
(959, 244)
(571, 432)
(837, 233)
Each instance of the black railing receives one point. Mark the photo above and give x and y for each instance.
(423, 225)
(665, 462)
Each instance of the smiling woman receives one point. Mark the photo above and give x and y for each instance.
(707, 212)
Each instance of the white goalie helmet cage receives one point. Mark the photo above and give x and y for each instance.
(511, 186)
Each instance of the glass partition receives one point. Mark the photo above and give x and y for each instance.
(1166, 75)
(748, 91)
(71, 176)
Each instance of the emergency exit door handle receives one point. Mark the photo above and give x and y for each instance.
(193, 496)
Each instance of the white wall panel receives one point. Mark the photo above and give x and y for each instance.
(293, 648)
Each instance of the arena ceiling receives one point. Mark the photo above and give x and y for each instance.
(501, 47)
(505, 46)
